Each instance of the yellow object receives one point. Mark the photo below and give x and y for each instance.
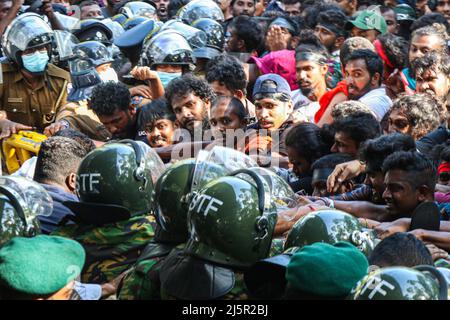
(20, 147)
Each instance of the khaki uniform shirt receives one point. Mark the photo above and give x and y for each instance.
(37, 107)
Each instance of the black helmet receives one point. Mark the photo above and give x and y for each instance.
(87, 56)
(167, 47)
(27, 31)
(94, 30)
(215, 38)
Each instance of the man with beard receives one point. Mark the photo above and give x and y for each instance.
(190, 99)
(243, 35)
(432, 73)
(443, 6)
(111, 102)
(161, 6)
(363, 75)
(330, 29)
(311, 70)
(243, 7)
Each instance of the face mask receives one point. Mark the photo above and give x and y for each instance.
(166, 77)
(109, 75)
(35, 62)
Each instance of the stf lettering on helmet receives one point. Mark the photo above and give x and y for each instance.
(88, 182)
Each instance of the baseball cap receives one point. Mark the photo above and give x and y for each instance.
(368, 20)
(270, 84)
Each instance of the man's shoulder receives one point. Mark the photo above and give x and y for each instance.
(56, 72)
(8, 66)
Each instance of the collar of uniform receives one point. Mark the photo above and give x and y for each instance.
(19, 76)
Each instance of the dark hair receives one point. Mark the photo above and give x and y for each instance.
(438, 62)
(374, 151)
(352, 44)
(174, 6)
(248, 31)
(307, 140)
(154, 111)
(236, 104)
(373, 62)
(400, 249)
(310, 43)
(189, 84)
(291, 21)
(78, 136)
(396, 49)
(57, 158)
(311, 13)
(109, 97)
(428, 20)
(420, 169)
(336, 18)
(423, 112)
(227, 70)
(359, 127)
(291, 2)
(331, 160)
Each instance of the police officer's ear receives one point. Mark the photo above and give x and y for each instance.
(71, 182)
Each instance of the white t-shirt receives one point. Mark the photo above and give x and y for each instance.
(377, 101)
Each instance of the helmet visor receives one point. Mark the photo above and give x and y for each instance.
(200, 9)
(166, 44)
(195, 37)
(25, 29)
(153, 162)
(32, 197)
(218, 162)
(65, 42)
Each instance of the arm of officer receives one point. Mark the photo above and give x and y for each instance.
(12, 13)
(8, 127)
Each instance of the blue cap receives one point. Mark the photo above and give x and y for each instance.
(271, 83)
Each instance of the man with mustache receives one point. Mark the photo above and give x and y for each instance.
(190, 99)
(363, 75)
(311, 70)
(161, 6)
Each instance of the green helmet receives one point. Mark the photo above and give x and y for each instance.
(231, 220)
(21, 201)
(171, 202)
(400, 283)
(330, 226)
(115, 182)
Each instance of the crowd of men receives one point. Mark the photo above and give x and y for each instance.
(226, 149)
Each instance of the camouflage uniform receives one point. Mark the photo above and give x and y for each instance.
(110, 249)
(142, 282)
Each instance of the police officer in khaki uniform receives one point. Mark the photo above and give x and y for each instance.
(33, 91)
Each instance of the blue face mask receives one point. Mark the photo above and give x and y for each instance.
(35, 62)
(166, 77)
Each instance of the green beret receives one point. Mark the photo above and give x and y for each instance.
(41, 265)
(326, 270)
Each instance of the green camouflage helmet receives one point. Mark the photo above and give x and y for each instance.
(115, 182)
(401, 283)
(231, 220)
(330, 226)
(21, 201)
(171, 202)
